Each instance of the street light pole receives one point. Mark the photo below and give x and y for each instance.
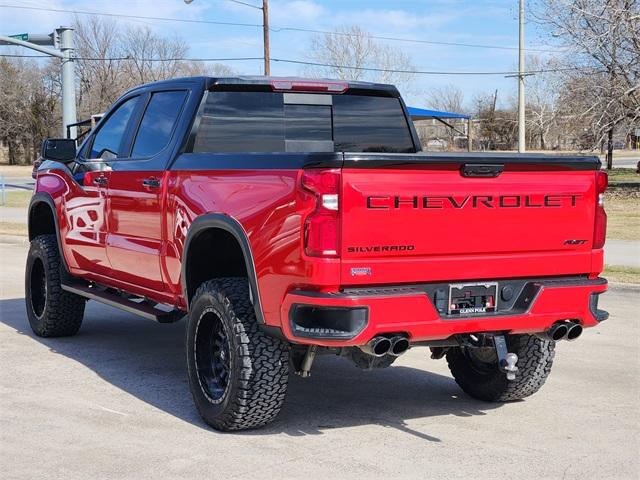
(521, 101)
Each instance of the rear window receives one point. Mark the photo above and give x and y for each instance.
(289, 122)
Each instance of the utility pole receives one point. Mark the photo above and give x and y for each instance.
(521, 102)
(62, 40)
(265, 36)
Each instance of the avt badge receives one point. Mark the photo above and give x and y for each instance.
(472, 298)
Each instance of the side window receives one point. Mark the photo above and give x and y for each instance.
(158, 122)
(241, 122)
(106, 143)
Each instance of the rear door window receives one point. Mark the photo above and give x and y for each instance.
(241, 122)
(158, 122)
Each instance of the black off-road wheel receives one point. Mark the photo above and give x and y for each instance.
(237, 374)
(52, 312)
(476, 369)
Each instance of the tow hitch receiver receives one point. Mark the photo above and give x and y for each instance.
(506, 361)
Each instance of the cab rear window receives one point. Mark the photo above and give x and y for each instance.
(285, 122)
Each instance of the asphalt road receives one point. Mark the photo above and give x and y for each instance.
(113, 402)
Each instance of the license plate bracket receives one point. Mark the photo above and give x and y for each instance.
(473, 298)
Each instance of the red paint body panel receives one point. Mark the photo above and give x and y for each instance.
(134, 241)
(482, 241)
(271, 209)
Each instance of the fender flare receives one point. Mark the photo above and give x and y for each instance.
(36, 199)
(232, 226)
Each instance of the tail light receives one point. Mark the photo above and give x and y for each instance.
(322, 227)
(600, 229)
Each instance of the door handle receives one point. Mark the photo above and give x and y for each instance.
(100, 180)
(151, 182)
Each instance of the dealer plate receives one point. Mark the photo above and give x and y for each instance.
(472, 298)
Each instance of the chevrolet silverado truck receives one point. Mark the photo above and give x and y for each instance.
(287, 218)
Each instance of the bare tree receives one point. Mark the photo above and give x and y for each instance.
(602, 39)
(28, 107)
(496, 128)
(152, 57)
(100, 65)
(191, 69)
(347, 51)
(449, 99)
(543, 92)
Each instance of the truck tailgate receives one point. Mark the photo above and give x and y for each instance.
(423, 220)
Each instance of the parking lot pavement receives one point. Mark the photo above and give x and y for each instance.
(113, 402)
(14, 214)
(622, 252)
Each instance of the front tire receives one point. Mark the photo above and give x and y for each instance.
(237, 374)
(476, 369)
(52, 312)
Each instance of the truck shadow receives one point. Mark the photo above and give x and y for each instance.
(147, 360)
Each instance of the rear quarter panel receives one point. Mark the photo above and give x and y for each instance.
(269, 207)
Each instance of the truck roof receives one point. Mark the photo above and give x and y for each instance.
(252, 82)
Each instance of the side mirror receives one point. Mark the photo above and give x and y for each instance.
(59, 149)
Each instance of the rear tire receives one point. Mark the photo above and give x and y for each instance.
(237, 374)
(477, 373)
(52, 312)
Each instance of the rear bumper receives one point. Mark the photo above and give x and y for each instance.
(353, 317)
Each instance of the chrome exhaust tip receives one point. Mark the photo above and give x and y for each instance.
(556, 332)
(399, 345)
(574, 330)
(377, 346)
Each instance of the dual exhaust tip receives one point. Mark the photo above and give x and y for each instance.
(380, 346)
(569, 330)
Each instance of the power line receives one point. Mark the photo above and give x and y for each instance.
(275, 29)
(317, 64)
(245, 4)
(136, 17)
(426, 72)
(409, 40)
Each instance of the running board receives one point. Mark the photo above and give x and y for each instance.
(142, 309)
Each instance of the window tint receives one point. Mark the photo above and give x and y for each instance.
(107, 141)
(241, 122)
(307, 122)
(262, 122)
(370, 124)
(157, 123)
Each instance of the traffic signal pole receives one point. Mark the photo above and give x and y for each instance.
(62, 40)
(68, 81)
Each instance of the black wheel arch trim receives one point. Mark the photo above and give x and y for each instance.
(38, 198)
(232, 226)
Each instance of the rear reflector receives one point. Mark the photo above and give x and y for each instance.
(304, 86)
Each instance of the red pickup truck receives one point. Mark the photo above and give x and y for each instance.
(287, 218)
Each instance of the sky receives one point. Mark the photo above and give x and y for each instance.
(486, 22)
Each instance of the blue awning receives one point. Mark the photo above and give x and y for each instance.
(424, 114)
